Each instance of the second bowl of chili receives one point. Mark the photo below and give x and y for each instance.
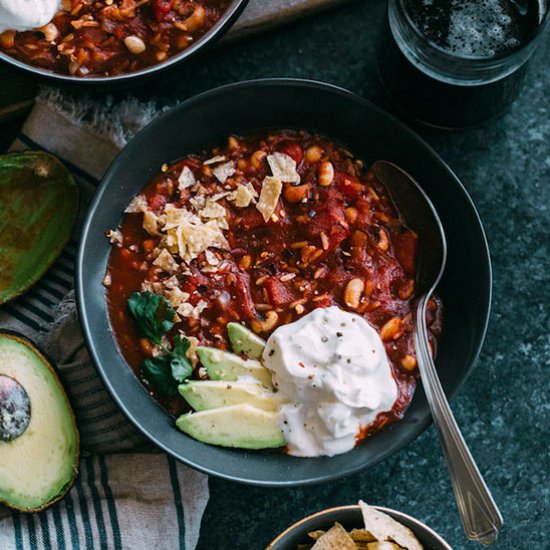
(114, 43)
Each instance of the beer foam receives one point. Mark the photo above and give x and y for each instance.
(481, 29)
(478, 28)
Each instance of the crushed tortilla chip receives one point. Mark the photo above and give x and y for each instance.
(186, 179)
(150, 223)
(283, 167)
(166, 261)
(385, 528)
(176, 296)
(362, 535)
(384, 545)
(137, 204)
(194, 238)
(212, 210)
(175, 216)
(336, 538)
(243, 195)
(215, 160)
(188, 310)
(271, 191)
(224, 171)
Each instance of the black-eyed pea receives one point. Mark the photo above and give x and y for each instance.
(391, 330)
(408, 362)
(314, 153)
(265, 325)
(325, 173)
(353, 291)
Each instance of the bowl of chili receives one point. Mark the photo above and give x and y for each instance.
(250, 108)
(114, 43)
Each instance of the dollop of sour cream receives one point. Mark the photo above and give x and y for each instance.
(333, 375)
(24, 15)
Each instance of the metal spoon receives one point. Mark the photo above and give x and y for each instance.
(479, 513)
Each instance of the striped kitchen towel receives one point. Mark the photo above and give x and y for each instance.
(126, 496)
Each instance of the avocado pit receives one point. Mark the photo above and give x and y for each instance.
(15, 409)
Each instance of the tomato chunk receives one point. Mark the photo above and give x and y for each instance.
(279, 293)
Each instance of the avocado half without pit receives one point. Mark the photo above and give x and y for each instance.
(38, 435)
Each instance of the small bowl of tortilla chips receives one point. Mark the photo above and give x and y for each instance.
(360, 527)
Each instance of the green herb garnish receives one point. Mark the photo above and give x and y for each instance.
(165, 372)
(154, 316)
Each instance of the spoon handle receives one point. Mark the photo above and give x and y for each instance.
(479, 513)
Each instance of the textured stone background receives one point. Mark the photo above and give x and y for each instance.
(504, 406)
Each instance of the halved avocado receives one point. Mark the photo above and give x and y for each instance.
(39, 440)
(243, 340)
(211, 394)
(38, 209)
(222, 365)
(242, 426)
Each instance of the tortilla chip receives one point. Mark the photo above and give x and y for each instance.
(362, 535)
(335, 538)
(385, 545)
(316, 534)
(385, 528)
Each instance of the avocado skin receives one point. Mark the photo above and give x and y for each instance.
(34, 238)
(47, 363)
(243, 340)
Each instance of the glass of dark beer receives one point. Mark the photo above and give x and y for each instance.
(457, 63)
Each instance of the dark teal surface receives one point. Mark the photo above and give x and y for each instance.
(503, 408)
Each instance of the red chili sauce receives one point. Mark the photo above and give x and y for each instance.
(321, 237)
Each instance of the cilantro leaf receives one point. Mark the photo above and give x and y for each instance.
(157, 372)
(180, 364)
(152, 313)
(166, 371)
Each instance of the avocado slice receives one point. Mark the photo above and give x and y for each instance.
(211, 394)
(37, 213)
(39, 441)
(222, 365)
(242, 426)
(245, 341)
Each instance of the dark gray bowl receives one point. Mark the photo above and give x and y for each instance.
(350, 517)
(107, 83)
(370, 133)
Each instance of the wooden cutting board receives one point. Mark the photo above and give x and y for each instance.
(17, 91)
